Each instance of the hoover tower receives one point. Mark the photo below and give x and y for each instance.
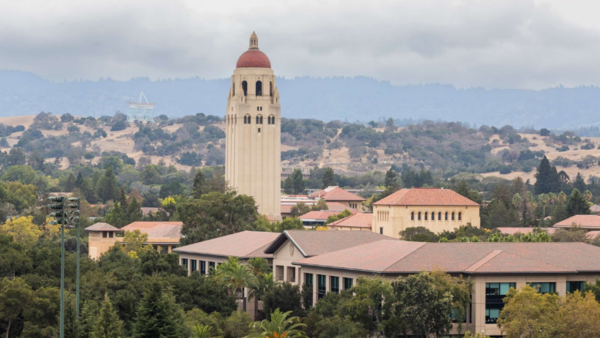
(253, 133)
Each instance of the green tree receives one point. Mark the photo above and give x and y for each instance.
(234, 276)
(15, 297)
(89, 315)
(159, 315)
(339, 216)
(262, 285)
(134, 211)
(214, 215)
(22, 229)
(320, 205)
(134, 241)
(69, 183)
(41, 317)
(418, 234)
(123, 199)
(300, 209)
(527, 313)
(577, 205)
(328, 178)
(285, 297)
(237, 325)
(544, 199)
(106, 188)
(199, 184)
(279, 326)
(544, 178)
(202, 331)
(288, 185)
(108, 324)
(298, 181)
(20, 173)
(579, 183)
(116, 217)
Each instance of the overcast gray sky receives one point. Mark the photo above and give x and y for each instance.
(469, 43)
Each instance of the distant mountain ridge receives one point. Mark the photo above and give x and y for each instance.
(352, 99)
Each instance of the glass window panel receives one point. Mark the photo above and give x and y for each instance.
(504, 288)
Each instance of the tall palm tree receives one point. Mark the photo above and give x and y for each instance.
(235, 277)
(279, 327)
(262, 285)
(258, 266)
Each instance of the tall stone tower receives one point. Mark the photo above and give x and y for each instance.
(253, 134)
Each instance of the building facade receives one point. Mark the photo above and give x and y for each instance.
(253, 131)
(433, 208)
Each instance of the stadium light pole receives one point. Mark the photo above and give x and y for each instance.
(75, 218)
(59, 218)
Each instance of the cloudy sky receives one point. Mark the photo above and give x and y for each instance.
(469, 43)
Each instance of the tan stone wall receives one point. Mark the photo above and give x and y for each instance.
(283, 269)
(394, 219)
(98, 245)
(253, 157)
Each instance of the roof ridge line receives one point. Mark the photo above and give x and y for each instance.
(551, 264)
(415, 250)
(473, 267)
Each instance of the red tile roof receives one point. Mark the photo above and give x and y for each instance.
(254, 59)
(156, 229)
(584, 221)
(245, 244)
(400, 257)
(323, 214)
(354, 221)
(286, 208)
(312, 243)
(592, 234)
(336, 194)
(102, 227)
(426, 196)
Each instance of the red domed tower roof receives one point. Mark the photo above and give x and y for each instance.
(253, 58)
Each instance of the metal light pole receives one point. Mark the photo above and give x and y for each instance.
(59, 215)
(75, 217)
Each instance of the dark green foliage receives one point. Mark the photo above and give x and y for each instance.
(119, 125)
(106, 188)
(108, 324)
(216, 214)
(285, 297)
(328, 179)
(418, 234)
(172, 188)
(159, 315)
(412, 179)
(190, 158)
(576, 204)
(200, 292)
(297, 181)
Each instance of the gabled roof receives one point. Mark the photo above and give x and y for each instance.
(426, 196)
(102, 227)
(336, 194)
(312, 243)
(322, 215)
(156, 229)
(400, 257)
(245, 244)
(583, 221)
(354, 221)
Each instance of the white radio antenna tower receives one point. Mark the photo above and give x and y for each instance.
(141, 110)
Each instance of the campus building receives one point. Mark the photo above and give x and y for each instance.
(253, 131)
(339, 195)
(436, 209)
(163, 236)
(331, 261)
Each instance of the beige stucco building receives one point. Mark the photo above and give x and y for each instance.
(253, 131)
(436, 209)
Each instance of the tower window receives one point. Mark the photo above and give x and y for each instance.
(271, 88)
(412, 216)
(247, 119)
(233, 90)
(271, 119)
(460, 216)
(259, 119)
(425, 215)
(259, 130)
(258, 88)
(245, 88)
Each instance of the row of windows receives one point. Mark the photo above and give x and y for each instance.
(259, 119)
(383, 216)
(258, 87)
(495, 293)
(334, 284)
(353, 205)
(439, 216)
(203, 271)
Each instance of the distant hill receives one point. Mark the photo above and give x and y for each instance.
(352, 99)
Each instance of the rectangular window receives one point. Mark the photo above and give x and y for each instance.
(203, 267)
(194, 265)
(184, 262)
(308, 279)
(348, 283)
(335, 284)
(457, 318)
(494, 295)
(321, 287)
(425, 216)
(453, 216)
(419, 218)
(412, 216)
(110, 234)
(211, 265)
(544, 287)
(575, 286)
(381, 231)
(104, 234)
